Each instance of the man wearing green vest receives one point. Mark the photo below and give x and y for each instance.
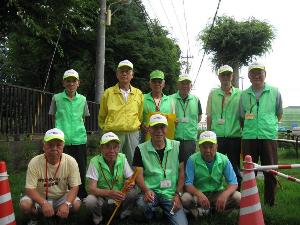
(260, 111)
(156, 100)
(205, 171)
(107, 174)
(162, 174)
(69, 110)
(121, 110)
(188, 113)
(223, 118)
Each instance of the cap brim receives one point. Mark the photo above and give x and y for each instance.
(179, 80)
(156, 123)
(105, 142)
(208, 140)
(257, 68)
(67, 76)
(123, 66)
(151, 78)
(224, 71)
(54, 137)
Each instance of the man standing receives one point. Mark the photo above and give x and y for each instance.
(156, 101)
(223, 118)
(261, 109)
(162, 174)
(69, 110)
(205, 172)
(188, 113)
(48, 179)
(107, 174)
(121, 110)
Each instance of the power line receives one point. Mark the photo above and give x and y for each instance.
(186, 28)
(170, 25)
(153, 10)
(178, 21)
(205, 46)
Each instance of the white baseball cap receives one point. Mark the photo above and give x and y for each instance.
(184, 77)
(208, 136)
(107, 137)
(125, 63)
(256, 65)
(225, 68)
(158, 119)
(54, 133)
(71, 73)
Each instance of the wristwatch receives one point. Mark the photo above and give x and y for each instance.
(69, 204)
(179, 193)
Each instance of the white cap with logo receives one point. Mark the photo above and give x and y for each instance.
(158, 119)
(225, 68)
(54, 133)
(208, 136)
(107, 137)
(71, 73)
(125, 63)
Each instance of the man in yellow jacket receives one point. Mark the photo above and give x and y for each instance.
(121, 110)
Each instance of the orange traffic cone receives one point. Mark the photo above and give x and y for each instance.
(7, 215)
(250, 207)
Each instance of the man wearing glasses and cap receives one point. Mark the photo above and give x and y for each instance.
(188, 115)
(162, 174)
(260, 112)
(205, 172)
(48, 179)
(223, 118)
(107, 174)
(121, 110)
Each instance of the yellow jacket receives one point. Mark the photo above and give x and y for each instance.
(117, 115)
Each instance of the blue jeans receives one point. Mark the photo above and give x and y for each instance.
(179, 218)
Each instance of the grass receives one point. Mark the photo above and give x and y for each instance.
(285, 212)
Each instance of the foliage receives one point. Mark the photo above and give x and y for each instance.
(30, 30)
(236, 43)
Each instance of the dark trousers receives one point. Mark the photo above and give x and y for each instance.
(232, 148)
(78, 152)
(266, 150)
(187, 148)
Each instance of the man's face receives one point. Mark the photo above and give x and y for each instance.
(184, 87)
(226, 78)
(208, 151)
(71, 84)
(110, 150)
(53, 150)
(158, 132)
(257, 77)
(157, 85)
(124, 75)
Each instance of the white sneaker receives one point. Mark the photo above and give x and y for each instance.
(33, 222)
(125, 214)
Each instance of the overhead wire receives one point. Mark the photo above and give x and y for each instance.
(170, 25)
(178, 21)
(205, 46)
(186, 27)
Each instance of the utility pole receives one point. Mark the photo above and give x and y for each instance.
(100, 52)
(187, 57)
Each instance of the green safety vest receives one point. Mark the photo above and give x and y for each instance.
(230, 113)
(69, 117)
(115, 180)
(205, 181)
(189, 110)
(166, 106)
(154, 171)
(264, 124)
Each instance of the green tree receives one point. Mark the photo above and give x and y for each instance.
(32, 29)
(236, 43)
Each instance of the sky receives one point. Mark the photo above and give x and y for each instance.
(282, 62)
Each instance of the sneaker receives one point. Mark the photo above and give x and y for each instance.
(125, 214)
(197, 212)
(33, 222)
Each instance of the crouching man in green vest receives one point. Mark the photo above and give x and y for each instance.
(205, 171)
(162, 173)
(107, 174)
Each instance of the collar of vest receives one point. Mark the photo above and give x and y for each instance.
(233, 91)
(267, 88)
(66, 96)
(116, 89)
(168, 146)
(179, 97)
(104, 164)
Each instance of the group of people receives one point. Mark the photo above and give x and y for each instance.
(156, 135)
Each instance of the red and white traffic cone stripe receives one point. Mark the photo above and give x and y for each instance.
(250, 207)
(7, 215)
